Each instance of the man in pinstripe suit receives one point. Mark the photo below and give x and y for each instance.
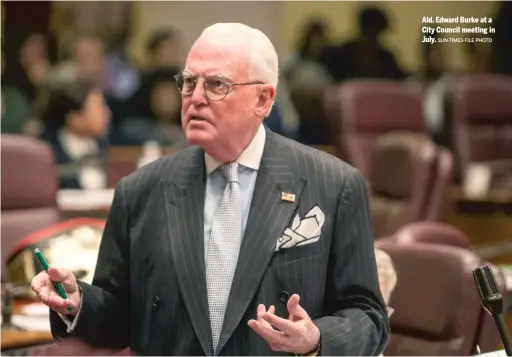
(304, 280)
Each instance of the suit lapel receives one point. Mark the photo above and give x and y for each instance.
(184, 198)
(268, 217)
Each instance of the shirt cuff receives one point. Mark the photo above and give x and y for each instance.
(71, 322)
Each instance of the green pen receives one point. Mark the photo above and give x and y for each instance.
(58, 286)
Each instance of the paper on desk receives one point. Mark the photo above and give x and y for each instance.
(32, 323)
(84, 199)
(36, 309)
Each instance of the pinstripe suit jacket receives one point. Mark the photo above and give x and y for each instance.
(149, 289)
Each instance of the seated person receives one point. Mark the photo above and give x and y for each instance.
(387, 276)
(76, 122)
(155, 113)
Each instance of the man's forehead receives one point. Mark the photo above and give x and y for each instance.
(206, 58)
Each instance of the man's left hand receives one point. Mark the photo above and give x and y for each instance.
(297, 334)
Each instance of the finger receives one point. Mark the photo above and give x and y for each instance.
(271, 336)
(54, 300)
(50, 297)
(271, 310)
(63, 276)
(296, 311)
(39, 281)
(44, 293)
(288, 327)
(260, 311)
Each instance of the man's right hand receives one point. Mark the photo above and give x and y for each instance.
(43, 287)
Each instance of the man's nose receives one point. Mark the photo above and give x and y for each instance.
(198, 96)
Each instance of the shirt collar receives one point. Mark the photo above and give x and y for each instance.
(250, 157)
(75, 146)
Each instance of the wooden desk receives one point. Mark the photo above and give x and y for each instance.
(495, 195)
(20, 339)
(23, 338)
(484, 220)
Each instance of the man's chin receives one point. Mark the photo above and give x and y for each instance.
(198, 138)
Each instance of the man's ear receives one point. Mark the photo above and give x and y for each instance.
(266, 96)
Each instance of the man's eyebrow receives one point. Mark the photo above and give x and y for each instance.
(217, 74)
(221, 77)
(209, 74)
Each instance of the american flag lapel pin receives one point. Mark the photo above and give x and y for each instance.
(286, 196)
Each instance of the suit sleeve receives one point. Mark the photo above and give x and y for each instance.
(104, 319)
(355, 321)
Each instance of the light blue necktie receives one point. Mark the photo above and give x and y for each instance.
(223, 249)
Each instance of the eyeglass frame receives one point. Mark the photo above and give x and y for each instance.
(228, 84)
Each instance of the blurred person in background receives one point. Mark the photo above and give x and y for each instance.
(28, 63)
(15, 108)
(310, 48)
(307, 91)
(307, 80)
(164, 49)
(88, 63)
(365, 56)
(284, 118)
(76, 122)
(433, 59)
(437, 80)
(123, 77)
(155, 112)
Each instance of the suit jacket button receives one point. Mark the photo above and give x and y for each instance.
(284, 296)
(156, 301)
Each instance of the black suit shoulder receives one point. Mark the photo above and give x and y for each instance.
(145, 182)
(317, 164)
(163, 168)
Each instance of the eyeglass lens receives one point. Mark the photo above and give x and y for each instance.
(215, 87)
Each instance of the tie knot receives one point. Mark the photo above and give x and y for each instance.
(230, 171)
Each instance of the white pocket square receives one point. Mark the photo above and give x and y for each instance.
(303, 231)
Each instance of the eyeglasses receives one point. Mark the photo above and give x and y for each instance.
(215, 87)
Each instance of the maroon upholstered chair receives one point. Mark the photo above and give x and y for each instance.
(369, 108)
(431, 232)
(481, 107)
(436, 233)
(437, 310)
(29, 188)
(440, 180)
(398, 178)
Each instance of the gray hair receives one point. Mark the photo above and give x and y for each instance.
(263, 56)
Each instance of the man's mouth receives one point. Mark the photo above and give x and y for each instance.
(195, 117)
